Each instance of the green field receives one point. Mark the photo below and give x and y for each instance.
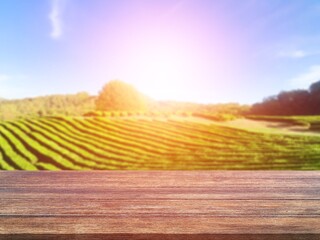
(82, 143)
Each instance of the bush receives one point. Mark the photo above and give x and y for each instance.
(220, 117)
(187, 114)
(90, 114)
(107, 114)
(123, 114)
(120, 96)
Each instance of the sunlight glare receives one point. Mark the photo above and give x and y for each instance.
(164, 71)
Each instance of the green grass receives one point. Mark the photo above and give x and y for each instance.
(102, 143)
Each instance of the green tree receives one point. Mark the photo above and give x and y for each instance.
(315, 87)
(120, 96)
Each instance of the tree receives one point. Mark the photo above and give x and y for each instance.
(119, 96)
(315, 87)
(315, 97)
(295, 102)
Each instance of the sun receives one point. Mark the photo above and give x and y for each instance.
(163, 71)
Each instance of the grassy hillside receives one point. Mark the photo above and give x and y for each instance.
(54, 143)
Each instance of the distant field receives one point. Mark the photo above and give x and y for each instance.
(53, 143)
(312, 122)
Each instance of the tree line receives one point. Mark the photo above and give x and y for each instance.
(114, 96)
(120, 96)
(67, 105)
(296, 102)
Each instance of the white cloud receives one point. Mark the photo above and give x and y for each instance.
(294, 54)
(55, 16)
(305, 79)
(4, 77)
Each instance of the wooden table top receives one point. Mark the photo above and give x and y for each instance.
(160, 204)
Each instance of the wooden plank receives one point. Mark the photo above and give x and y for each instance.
(145, 204)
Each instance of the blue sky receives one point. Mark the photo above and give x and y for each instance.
(207, 51)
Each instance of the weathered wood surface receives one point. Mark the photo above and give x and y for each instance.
(152, 203)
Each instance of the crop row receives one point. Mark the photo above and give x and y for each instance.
(54, 143)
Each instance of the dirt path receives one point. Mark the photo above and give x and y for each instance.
(269, 127)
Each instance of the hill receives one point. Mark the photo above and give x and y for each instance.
(80, 143)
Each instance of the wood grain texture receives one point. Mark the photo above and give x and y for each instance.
(142, 204)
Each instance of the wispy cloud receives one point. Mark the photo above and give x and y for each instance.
(305, 79)
(294, 54)
(7, 77)
(55, 16)
(297, 54)
(4, 77)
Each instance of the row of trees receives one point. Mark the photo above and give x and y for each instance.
(114, 96)
(119, 96)
(68, 105)
(296, 102)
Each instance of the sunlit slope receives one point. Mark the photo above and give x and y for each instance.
(102, 143)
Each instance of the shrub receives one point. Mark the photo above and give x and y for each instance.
(120, 96)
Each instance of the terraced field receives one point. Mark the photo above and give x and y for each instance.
(54, 143)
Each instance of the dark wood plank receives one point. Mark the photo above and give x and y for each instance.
(141, 204)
